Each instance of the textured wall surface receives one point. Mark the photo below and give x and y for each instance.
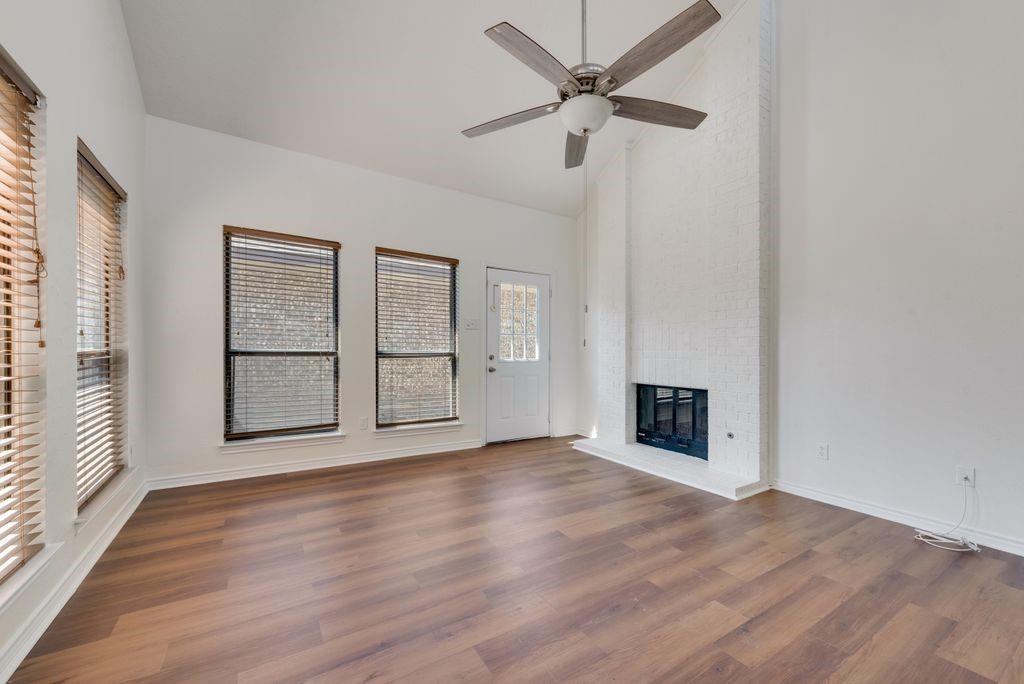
(611, 312)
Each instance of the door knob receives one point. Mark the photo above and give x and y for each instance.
(490, 357)
(491, 369)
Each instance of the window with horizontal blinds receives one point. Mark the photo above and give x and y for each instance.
(281, 334)
(102, 356)
(21, 343)
(417, 344)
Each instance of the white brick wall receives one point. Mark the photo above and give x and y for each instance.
(766, 341)
(611, 304)
(683, 237)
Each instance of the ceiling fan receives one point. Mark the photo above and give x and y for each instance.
(585, 104)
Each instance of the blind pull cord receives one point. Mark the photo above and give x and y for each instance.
(40, 265)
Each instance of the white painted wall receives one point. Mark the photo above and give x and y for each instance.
(901, 229)
(77, 53)
(198, 180)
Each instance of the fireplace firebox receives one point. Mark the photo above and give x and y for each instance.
(674, 418)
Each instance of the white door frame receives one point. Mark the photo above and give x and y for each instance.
(483, 350)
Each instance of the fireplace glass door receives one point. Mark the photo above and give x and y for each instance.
(674, 418)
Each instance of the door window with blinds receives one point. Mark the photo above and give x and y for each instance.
(21, 343)
(417, 359)
(281, 334)
(102, 357)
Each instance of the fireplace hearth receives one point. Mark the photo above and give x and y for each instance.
(673, 418)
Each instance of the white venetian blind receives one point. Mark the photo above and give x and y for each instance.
(21, 267)
(281, 334)
(417, 345)
(102, 359)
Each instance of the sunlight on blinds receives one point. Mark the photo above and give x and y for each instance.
(21, 343)
(102, 359)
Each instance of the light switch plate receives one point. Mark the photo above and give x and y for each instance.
(471, 324)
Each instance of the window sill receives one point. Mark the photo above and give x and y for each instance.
(99, 502)
(12, 586)
(418, 429)
(281, 442)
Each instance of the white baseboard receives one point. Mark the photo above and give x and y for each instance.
(26, 636)
(293, 466)
(989, 539)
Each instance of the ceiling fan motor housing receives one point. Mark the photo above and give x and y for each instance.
(586, 75)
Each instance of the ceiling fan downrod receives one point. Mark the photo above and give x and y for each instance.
(583, 32)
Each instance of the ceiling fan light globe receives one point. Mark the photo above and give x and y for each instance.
(585, 114)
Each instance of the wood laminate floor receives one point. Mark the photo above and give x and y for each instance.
(525, 562)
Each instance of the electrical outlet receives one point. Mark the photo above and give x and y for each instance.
(822, 451)
(363, 423)
(965, 476)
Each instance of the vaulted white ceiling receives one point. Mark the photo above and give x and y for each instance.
(388, 84)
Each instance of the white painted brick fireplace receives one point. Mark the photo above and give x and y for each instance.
(679, 289)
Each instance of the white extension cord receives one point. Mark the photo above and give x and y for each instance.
(946, 540)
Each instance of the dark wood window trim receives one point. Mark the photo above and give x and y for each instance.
(284, 237)
(417, 255)
(451, 354)
(231, 353)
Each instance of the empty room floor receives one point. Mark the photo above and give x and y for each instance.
(525, 562)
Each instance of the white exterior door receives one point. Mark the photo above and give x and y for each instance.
(518, 355)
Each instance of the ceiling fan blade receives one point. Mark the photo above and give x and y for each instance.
(511, 120)
(686, 26)
(529, 53)
(575, 150)
(652, 111)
